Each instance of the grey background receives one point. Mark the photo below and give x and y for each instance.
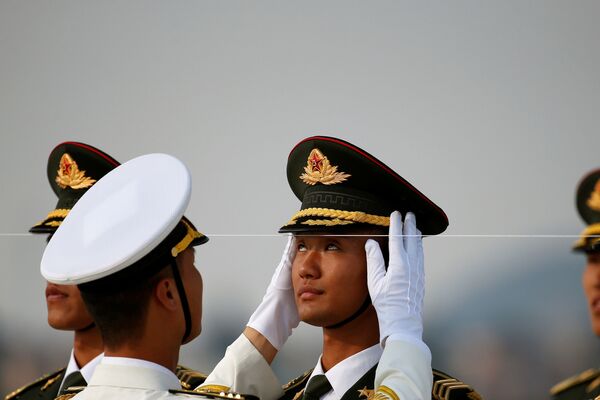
(489, 108)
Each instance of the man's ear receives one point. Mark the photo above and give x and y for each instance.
(165, 293)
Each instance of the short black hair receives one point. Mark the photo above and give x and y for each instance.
(121, 313)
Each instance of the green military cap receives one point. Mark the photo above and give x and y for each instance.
(588, 205)
(73, 168)
(341, 185)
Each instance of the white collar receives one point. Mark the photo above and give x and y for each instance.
(347, 372)
(133, 373)
(86, 371)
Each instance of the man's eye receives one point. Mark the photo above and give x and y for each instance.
(332, 246)
(301, 247)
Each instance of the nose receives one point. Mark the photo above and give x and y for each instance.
(310, 265)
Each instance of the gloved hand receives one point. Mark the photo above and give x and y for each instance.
(277, 315)
(397, 294)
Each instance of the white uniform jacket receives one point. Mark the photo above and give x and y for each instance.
(131, 379)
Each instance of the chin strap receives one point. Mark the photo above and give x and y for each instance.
(184, 301)
(355, 315)
(87, 328)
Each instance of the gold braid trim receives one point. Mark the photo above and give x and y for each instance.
(385, 393)
(341, 215)
(591, 230)
(212, 389)
(187, 239)
(53, 223)
(327, 222)
(58, 213)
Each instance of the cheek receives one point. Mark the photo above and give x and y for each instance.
(296, 280)
(586, 278)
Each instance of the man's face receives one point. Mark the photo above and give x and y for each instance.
(329, 276)
(591, 288)
(192, 282)
(66, 310)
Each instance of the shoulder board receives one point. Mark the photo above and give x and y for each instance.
(44, 382)
(188, 378)
(584, 377)
(73, 390)
(66, 396)
(297, 381)
(445, 387)
(215, 395)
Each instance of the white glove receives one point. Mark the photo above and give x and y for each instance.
(277, 315)
(397, 294)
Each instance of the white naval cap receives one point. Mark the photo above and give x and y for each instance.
(122, 219)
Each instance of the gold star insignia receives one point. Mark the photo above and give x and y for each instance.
(319, 170)
(367, 393)
(69, 175)
(594, 200)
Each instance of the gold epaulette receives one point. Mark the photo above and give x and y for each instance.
(210, 394)
(446, 387)
(44, 381)
(188, 378)
(584, 377)
(297, 381)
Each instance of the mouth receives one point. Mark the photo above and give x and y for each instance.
(595, 305)
(309, 293)
(54, 294)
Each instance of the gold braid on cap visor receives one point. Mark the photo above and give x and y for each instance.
(338, 217)
(585, 240)
(187, 239)
(58, 213)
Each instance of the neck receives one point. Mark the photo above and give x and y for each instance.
(354, 337)
(152, 346)
(87, 345)
(167, 359)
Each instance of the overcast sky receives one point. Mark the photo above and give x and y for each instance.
(490, 109)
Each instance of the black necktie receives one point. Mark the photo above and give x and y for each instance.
(317, 387)
(73, 379)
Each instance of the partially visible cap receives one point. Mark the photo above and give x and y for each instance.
(588, 205)
(133, 214)
(72, 169)
(341, 185)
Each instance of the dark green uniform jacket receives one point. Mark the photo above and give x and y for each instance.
(444, 388)
(580, 387)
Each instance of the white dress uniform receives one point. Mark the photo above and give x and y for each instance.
(129, 378)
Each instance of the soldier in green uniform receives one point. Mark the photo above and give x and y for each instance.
(587, 384)
(351, 201)
(72, 169)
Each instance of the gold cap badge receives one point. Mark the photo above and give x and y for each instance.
(594, 201)
(319, 170)
(70, 175)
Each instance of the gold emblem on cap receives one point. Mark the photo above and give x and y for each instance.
(68, 174)
(319, 170)
(594, 200)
